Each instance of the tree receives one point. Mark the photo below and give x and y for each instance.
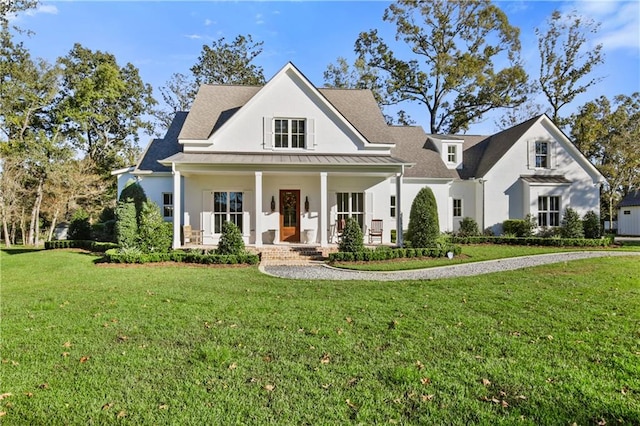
(566, 60)
(591, 225)
(178, 94)
(607, 133)
(424, 227)
(154, 234)
(571, 225)
(104, 106)
(229, 63)
(231, 241)
(455, 46)
(352, 238)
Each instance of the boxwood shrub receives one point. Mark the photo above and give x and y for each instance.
(368, 255)
(94, 246)
(136, 256)
(535, 241)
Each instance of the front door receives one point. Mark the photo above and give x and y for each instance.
(290, 215)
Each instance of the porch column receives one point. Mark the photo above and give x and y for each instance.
(323, 209)
(258, 209)
(177, 207)
(399, 239)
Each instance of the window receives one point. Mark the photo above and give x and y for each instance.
(548, 211)
(451, 154)
(289, 133)
(167, 204)
(392, 203)
(227, 206)
(457, 207)
(351, 204)
(542, 155)
(626, 212)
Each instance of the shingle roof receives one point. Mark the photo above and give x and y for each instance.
(412, 145)
(159, 149)
(631, 199)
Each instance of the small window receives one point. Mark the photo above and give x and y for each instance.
(457, 207)
(289, 133)
(452, 154)
(392, 203)
(626, 212)
(167, 204)
(542, 155)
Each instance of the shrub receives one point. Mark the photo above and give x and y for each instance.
(154, 234)
(134, 193)
(352, 238)
(231, 241)
(80, 228)
(591, 225)
(126, 224)
(519, 227)
(468, 227)
(367, 255)
(571, 225)
(424, 227)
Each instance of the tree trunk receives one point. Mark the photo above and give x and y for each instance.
(23, 228)
(34, 227)
(53, 225)
(5, 228)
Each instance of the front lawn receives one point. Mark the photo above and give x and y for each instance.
(95, 344)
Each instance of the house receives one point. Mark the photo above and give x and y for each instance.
(289, 162)
(629, 214)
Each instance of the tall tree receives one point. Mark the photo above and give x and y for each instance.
(105, 106)
(229, 63)
(566, 59)
(608, 134)
(454, 47)
(177, 94)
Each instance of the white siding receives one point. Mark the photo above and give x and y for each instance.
(629, 224)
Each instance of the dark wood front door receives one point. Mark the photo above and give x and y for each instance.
(290, 215)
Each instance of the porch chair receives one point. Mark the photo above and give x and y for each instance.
(340, 229)
(375, 231)
(191, 236)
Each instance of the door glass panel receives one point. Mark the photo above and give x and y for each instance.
(289, 203)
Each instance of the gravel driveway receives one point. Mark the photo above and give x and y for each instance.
(325, 272)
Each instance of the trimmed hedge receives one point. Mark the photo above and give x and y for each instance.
(94, 246)
(116, 256)
(535, 241)
(369, 255)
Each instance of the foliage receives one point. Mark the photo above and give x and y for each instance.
(134, 193)
(178, 95)
(154, 234)
(424, 226)
(468, 227)
(138, 256)
(571, 225)
(126, 225)
(519, 227)
(535, 241)
(607, 133)
(80, 227)
(451, 71)
(352, 238)
(93, 246)
(369, 255)
(566, 59)
(591, 225)
(231, 242)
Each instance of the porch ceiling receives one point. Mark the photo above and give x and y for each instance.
(285, 162)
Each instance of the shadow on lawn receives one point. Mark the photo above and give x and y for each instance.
(21, 250)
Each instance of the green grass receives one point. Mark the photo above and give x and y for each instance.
(472, 253)
(88, 344)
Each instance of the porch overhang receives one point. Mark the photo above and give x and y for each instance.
(285, 162)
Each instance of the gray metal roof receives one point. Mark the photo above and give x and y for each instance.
(550, 179)
(631, 199)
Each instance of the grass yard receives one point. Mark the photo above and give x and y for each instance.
(87, 344)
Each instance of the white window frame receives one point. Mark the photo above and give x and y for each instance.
(291, 136)
(457, 208)
(548, 214)
(542, 159)
(235, 216)
(355, 206)
(392, 206)
(452, 153)
(167, 205)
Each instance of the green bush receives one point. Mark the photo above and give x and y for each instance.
(134, 193)
(126, 224)
(535, 241)
(80, 228)
(571, 225)
(231, 242)
(154, 234)
(135, 255)
(368, 255)
(352, 238)
(519, 227)
(94, 246)
(591, 225)
(468, 227)
(424, 227)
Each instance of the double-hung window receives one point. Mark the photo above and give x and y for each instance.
(392, 203)
(167, 204)
(227, 206)
(351, 204)
(452, 154)
(289, 133)
(542, 155)
(457, 207)
(549, 211)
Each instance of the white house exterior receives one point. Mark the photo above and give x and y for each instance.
(287, 161)
(629, 214)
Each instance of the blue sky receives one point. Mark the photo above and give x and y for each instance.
(165, 37)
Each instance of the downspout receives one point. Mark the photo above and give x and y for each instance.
(399, 228)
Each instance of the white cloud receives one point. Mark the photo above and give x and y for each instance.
(47, 9)
(259, 19)
(208, 22)
(620, 22)
(193, 36)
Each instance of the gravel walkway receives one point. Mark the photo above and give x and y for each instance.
(325, 272)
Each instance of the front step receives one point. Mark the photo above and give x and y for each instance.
(292, 255)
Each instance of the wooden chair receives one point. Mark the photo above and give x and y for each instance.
(340, 229)
(375, 231)
(191, 236)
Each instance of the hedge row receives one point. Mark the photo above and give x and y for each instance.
(368, 255)
(116, 256)
(94, 246)
(535, 241)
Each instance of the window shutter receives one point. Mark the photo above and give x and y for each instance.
(267, 142)
(531, 158)
(207, 213)
(311, 134)
(368, 206)
(553, 147)
(247, 210)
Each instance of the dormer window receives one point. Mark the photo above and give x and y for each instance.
(289, 133)
(452, 154)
